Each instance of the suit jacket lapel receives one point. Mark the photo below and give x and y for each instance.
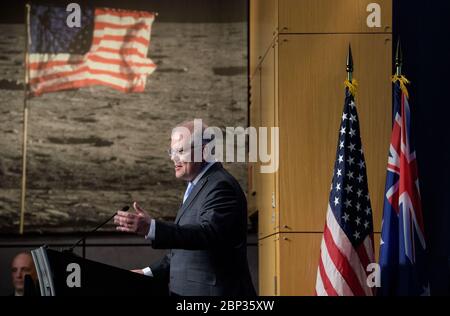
(197, 188)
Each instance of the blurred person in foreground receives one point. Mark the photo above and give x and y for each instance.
(22, 265)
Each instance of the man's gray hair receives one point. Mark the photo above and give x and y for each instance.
(196, 133)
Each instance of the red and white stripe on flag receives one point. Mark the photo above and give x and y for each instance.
(342, 267)
(117, 57)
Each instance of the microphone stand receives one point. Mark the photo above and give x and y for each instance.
(83, 239)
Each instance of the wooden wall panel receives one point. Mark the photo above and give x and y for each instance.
(374, 101)
(299, 258)
(376, 241)
(331, 16)
(300, 89)
(268, 258)
(267, 212)
(263, 29)
(254, 31)
(311, 96)
(276, 124)
(268, 23)
(253, 189)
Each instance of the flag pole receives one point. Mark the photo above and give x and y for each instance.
(349, 64)
(25, 122)
(398, 58)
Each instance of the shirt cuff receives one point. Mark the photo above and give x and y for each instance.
(151, 232)
(147, 271)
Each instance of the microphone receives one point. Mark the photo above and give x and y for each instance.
(124, 209)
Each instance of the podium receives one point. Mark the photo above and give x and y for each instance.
(65, 274)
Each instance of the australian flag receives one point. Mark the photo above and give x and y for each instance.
(403, 243)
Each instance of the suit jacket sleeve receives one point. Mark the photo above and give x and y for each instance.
(161, 269)
(219, 223)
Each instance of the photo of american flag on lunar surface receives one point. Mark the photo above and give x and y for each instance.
(92, 148)
(347, 243)
(110, 49)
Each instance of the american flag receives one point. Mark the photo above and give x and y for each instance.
(347, 243)
(403, 245)
(110, 49)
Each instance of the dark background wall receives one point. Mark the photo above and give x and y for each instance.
(424, 31)
(188, 11)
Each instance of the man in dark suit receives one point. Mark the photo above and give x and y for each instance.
(208, 240)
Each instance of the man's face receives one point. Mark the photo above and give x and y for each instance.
(183, 157)
(22, 265)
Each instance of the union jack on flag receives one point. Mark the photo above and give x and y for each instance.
(110, 49)
(403, 244)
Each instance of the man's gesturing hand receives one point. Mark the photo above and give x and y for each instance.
(137, 222)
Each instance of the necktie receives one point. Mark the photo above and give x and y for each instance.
(188, 191)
